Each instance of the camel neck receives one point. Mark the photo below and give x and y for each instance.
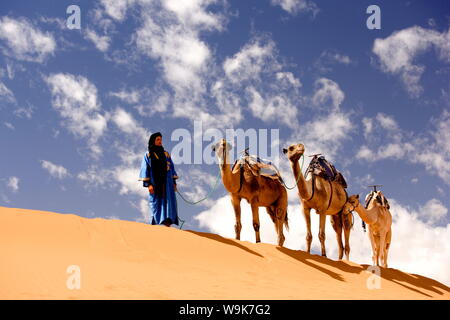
(369, 216)
(304, 191)
(230, 180)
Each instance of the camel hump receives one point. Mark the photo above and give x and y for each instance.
(321, 167)
(258, 167)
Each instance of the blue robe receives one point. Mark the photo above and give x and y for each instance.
(161, 208)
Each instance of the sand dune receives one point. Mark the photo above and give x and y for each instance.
(114, 259)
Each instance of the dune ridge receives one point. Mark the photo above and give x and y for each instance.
(46, 255)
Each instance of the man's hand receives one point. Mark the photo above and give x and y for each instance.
(150, 189)
(175, 187)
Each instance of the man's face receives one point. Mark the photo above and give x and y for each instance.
(158, 141)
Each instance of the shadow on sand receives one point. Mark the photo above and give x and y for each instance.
(314, 261)
(225, 240)
(412, 282)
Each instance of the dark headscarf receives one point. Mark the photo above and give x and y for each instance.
(158, 164)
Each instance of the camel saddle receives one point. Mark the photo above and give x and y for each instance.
(379, 197)
(321, 167)
(257, 166)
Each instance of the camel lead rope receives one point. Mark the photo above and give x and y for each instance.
(298, 178)
(207, 195)
(182, 222)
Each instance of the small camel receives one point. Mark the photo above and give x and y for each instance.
(379, 219)
(259, 191)
(326, 197)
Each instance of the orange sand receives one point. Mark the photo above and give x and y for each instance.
(130, 260)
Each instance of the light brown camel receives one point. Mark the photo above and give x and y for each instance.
(259, 191)
(379, 219)
(326, 197)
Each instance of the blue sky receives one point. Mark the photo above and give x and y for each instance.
(77, 106)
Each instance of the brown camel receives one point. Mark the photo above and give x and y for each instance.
(379, 219)
(259, 191)
(326, 197)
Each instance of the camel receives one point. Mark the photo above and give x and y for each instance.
(259, 191)
(379, 219)
(326, 197)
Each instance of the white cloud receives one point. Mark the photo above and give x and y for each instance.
(368, 126)
(326, 134)
(289, 78)
(388, 141)
(274, 107)
(13, 184)
(328, 91)
(75, 99)
(130, 97)
(6, 94)
(425, 253)
(94, 177)
(194, 13)
(365, 180)
(433, 211)
(271, 94)
(25, 112)
(25, 42)
(253, 59)
(9, 125)
(398, 52)
(127, 177)
(126, 123)
(171, 35)
(55, 170)
(329, 128)
(387, 122)
(365, 153)
(329, 58)
(418, 246)
(117, 9)
(296, 6)
(167, 36)
(101, 42)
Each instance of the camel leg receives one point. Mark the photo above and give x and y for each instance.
(388, 244)
(336, 222)
(255, 215)
(376, 257)
(382, 249)
(281, 214)
(236, 202)
(374, 248)
(323, 218)
(348, 221)
(307, 215)
(272, 215)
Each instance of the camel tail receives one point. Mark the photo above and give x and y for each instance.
(286, 221)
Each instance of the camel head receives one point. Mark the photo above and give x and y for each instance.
(294, 152)
(351, 204)
(221, 148)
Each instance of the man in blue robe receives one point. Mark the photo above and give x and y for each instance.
(159, 176)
